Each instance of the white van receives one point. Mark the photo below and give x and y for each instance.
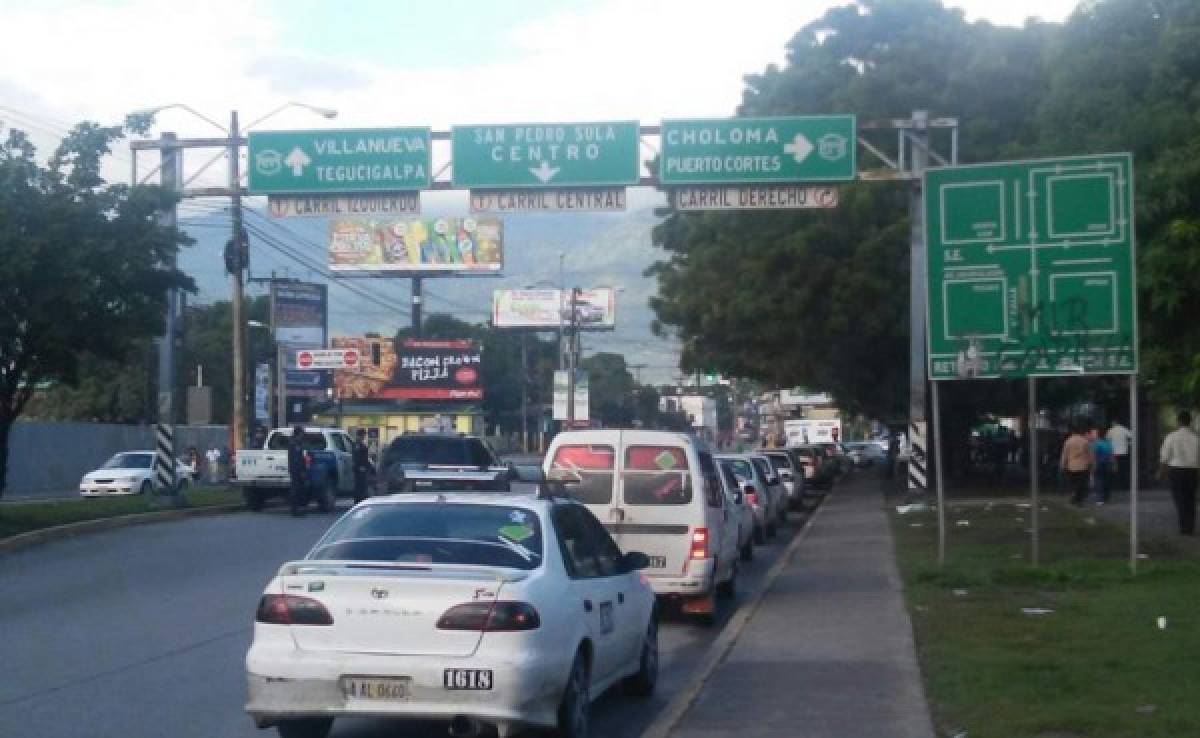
(659, 493)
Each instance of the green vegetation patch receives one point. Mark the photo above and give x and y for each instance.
(22, 517)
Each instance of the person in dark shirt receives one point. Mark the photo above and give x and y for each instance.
(298, 472)
(362, 465)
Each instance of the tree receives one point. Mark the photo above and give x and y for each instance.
(84, 265)
(610, 389)
(207, 342)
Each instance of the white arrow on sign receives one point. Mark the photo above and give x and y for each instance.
(545, 172)
(297, 160)
(799, 148)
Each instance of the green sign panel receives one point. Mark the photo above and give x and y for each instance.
(747, 150)
(546, 155)
(1031, 268)
(338, 162)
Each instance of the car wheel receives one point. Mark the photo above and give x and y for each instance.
(253, 498)
(748, 551)
(305, 727)
(728, 588)
(759, 538)
(643, 683)
(146, 488)
(327, 496)
(574, 710)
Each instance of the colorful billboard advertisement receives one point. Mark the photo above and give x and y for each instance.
(418, 370)
(299, 314)
(550, 308)
(416, 245)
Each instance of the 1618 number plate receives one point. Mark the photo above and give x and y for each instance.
(467, 679)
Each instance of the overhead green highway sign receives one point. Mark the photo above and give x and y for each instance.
(339, 162)
(815, 148)
(545, 155)
(1031, 268)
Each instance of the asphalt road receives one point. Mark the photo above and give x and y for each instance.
(142, 632)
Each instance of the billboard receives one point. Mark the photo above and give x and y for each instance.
(416, 370)
(561, 392)
(300, 316)
(803, 432)
(551, 308)
(416, 245)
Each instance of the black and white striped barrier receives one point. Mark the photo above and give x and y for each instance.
(918, 457)
(164, 457)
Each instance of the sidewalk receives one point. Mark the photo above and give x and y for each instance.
(829, 653)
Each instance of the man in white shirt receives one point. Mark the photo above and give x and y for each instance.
(213, 456)
(1120, 438)
(1179, 459)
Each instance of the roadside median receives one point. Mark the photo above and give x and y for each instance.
(1075, 648)
(24, 524)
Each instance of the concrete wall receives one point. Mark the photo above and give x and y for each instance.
(51, 457)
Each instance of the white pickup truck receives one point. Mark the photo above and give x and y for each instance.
(263, 473)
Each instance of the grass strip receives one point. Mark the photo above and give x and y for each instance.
(22, 517)
(1097, 665)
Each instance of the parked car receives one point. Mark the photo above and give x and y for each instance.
(865, 453)
(819, 473)
(263, 473)
(789, 473)
(487, 611)
(424, 462)
(775, 489)
(130, 473)
(661, 493)
(743, 511)
(836, 458)
(756, 491)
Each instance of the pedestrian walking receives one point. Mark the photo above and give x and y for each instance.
(1177, 463)
(1076, 463)
(1103, 465)
(362, 465)
(213, 457)
(1121, 439)
(297, 472)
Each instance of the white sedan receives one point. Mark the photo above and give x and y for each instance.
(128, 473)
(505, 611)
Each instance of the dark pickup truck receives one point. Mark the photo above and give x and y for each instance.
(431, 462)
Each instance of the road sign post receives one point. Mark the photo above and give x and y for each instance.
(339, 161)
(546, 155)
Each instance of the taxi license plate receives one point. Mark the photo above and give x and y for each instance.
(658, 562)
(467, 679)
(375, 688)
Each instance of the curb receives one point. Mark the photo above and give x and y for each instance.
(70, 530)
(665, 724)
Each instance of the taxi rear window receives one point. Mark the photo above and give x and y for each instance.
(656, 475)
(593, 466)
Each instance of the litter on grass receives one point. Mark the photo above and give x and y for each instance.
(916, 525)
(962, 523)
(959, 592)
(1036, 611)
(1162, 623)
(1146, 709)
(914, 507)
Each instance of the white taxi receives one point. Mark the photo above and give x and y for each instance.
(504, 611)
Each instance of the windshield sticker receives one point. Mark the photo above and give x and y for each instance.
(517, 516)
(665, 460)
(516, 533)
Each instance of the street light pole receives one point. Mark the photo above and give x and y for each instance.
(572, 355)
(237, 423)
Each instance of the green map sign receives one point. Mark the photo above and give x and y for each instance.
(545, 155)
(819, 148)
(338, 162)
(1031, 268)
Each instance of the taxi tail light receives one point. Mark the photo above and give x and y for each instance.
(699, 544)
(490, 617)
(752, 495)
(279, 609)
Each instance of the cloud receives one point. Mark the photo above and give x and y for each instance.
(296, 75)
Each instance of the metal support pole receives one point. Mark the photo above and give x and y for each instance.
(918, 457)
(524, 392)
(171, 177)
(939, 479)
(237, 423)
(416, 307)
(1034, 476)
(572, 357)
(1133, 474)
(280, 385)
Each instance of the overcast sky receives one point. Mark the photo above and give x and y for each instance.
(398, 62)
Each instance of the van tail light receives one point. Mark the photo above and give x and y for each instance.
(751, 495)
(279, 609)
(490, 617)
(699, 544)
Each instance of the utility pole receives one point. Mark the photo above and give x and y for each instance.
(171, 178)
(524, 392)
(416, 307)
(572, 355)
(239, 247)
(917, 423)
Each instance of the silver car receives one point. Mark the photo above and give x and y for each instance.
(763, 500)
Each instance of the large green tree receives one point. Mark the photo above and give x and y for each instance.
(84, 265)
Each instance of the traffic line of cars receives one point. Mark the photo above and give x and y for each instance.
(497, 611)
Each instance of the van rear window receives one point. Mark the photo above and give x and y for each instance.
(656, 475)
(593, 466)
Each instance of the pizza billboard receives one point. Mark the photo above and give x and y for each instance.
(415, 370)
(416, 245)
(596, 308)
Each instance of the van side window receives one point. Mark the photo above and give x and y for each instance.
(593, 466)
(713, 496)
(656, 475)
